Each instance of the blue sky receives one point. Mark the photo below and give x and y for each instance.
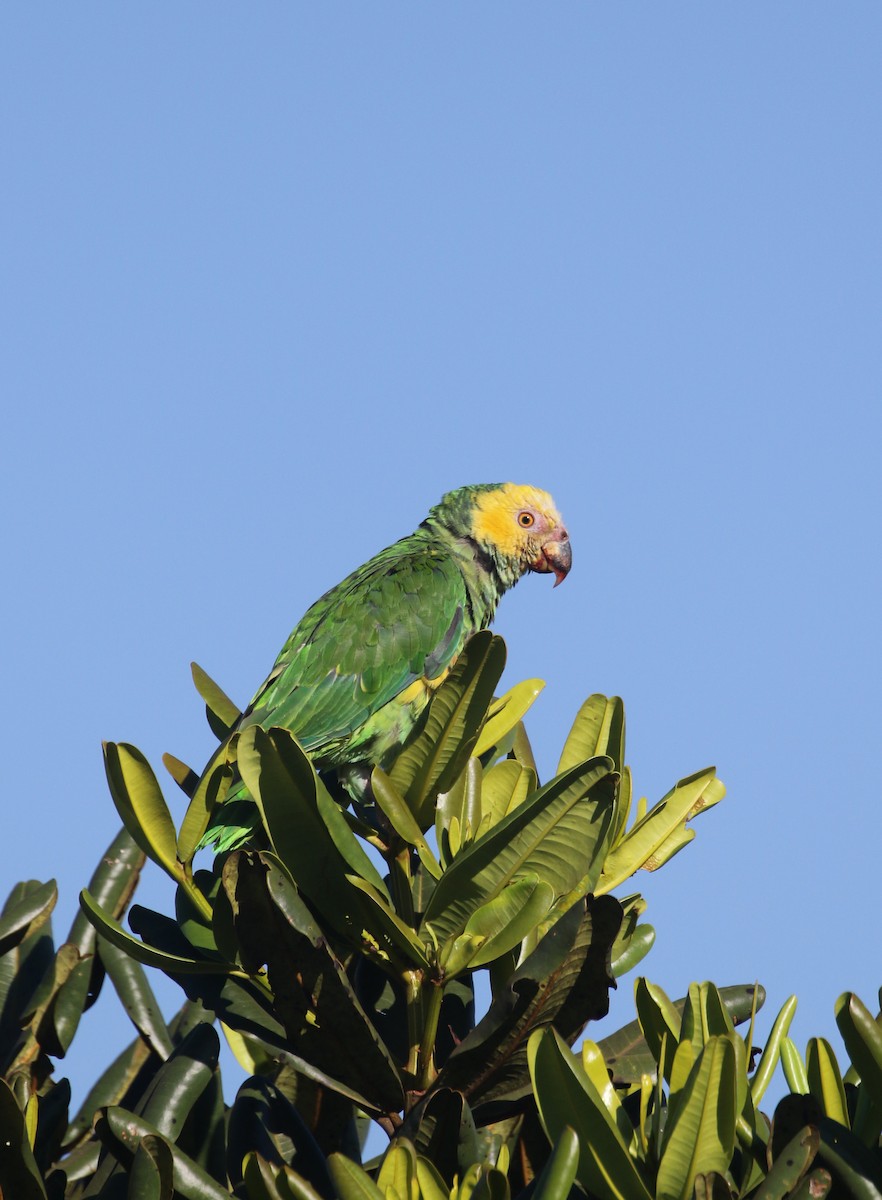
(277, 276)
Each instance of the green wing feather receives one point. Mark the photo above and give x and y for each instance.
(399, 618)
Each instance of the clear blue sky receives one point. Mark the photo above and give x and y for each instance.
(278, 275)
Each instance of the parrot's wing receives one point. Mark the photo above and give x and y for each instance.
(398, 619)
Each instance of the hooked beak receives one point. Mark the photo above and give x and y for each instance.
(556, 555)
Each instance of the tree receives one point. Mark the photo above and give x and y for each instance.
(340, 957)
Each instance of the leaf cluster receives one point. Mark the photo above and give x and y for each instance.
(340, 956)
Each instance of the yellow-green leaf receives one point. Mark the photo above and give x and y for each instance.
(504, 714)
(140, 804)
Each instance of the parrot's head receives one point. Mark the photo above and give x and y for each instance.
(517, 525)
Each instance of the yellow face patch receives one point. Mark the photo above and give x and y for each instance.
(495, 521)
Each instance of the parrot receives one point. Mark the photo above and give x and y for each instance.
(359, 669)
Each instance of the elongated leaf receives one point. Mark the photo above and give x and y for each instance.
(140, 804)
(393, 805)
(265, 1181)
(388, 928)
(772, 1050)
(559, 1173)
(825, 1081)
(397, 1173)
(599, 728)
(555, 834)
(567, 1098)
(152, 1173)
(627, 1054)
(506, 785)
(180, 1081)
(264, 1121)
(352, 1181)
(149, 955)
(19, 1174)
(27, 915)
(323, 1018)
(504, 714)
(793, 1067)
(633, 951)
(660, 1022)
(700, 1131)
(434, 759)
(431, 1183)
(282, 782)
(350, 848)
(564, 982)
(658, 834)
(111, 1087)
(185, 777)
(503, 922)
(220, 710)
(122, 1133)
(212, 787)
(863, 1040)
(790, 1165)
(136, 995)
(112, 885)
(857, 1166)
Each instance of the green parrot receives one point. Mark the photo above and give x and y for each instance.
(359, 669)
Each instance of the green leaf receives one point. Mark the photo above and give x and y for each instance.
(656, 836)
(857, 1166)
(431, 1183)
(559, 1173)
(136, 995)
(152, 1171)
(599, 728)
(633, 950)
(265, 1121)
(20, 1177)
(627, 1054)
(772, 1050)
(324, 1021)
(140, 804)
(388, 928)
(790, 1165)
(567, 1098)
(29, 914)
(122, 1132)
(350, 848)
(112, 885)
(283, 784)
(863, 1040)
(504, 714)
(211, 787)
(181, 1080)
(825, 1081)
(394, 807)
(564, 982)
(793, 1067)
(660, 1021)
(503, 922)
(149, 955)
(505, 785)
(352, 1181)
(398, 1171)
(558, 832)
(220, 710)
(699, 1134)
(433, 760)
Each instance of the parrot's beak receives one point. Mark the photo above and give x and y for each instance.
(556, 555)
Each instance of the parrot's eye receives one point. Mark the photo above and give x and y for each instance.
(526, 519)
